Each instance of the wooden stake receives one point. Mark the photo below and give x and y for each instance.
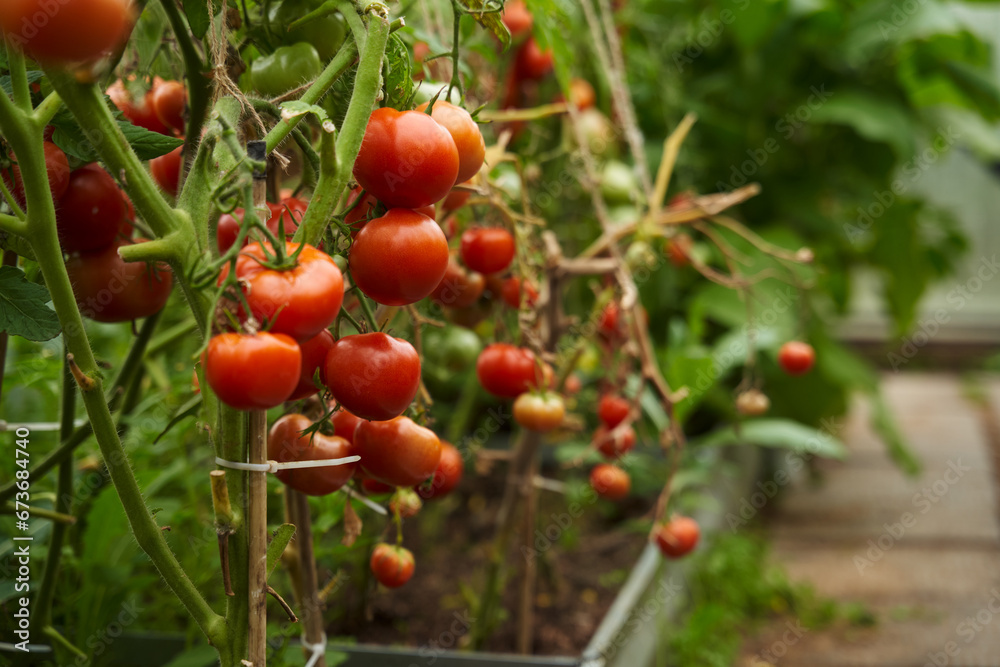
(312, 610)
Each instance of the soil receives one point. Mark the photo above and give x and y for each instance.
(582, 562)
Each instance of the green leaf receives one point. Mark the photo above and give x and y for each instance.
(148, 145)
(282, 537)
(553, 24)
(491, 21)
(298, 108)
(23, 309)
(76, 143)
(885, 425)
(398, 75)
(872, 117)
(197, 16)
(782, 433)
(8, 87)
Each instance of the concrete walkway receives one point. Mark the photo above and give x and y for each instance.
(922, 553)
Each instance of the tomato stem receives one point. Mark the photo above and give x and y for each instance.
(18, 78)
(47, 109)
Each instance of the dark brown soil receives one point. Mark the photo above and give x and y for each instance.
(581, 562)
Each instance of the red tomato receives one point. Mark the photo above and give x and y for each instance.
(678, 536)
(678, 250)
(392, 565)
(407, 160)
(373, 486)
(465, 132)
(487, 249)
(108, 289)
(252, 372)
(531, 62)
(345, 423)
(796, 357)
(67, 31)
(287, 443)
(510, 292)
(517, 17)
(288, 214)
(406, 503)
(166, 171)
(539, 412)
(56, 168)
(398, 451)
(581, 94)
(373, 375)
(612, 410)
(610, 481)
(141, 114)
(573, 384)
(169, 100)
(90, 214)
(299, 302)
(614, 446)
(399, 258)
(506, 371)
(314, 353)
(459, 288)
(447, 475)
(456, 198)
(357, 215)
(609, 324)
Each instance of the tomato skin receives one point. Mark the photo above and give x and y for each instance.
(678, 536)
(538, 412)
(288, 67)
(447, 475)
(511, 290)
(299, 302)
(458, 288)
(399, 258)
(613, 447)
(252, 372)
(286, 443)
(90, 214)
(505, 370)
(166, 171)
(397, 451)
(288, 213)
(612, 410)
(609, 323)
(314, 353)
(796, 357)
(373, 375)
(678, 250)
(357, 214)
(141, 113)
(573, 384)
(345, 423)
(392, 565)
(407, 159)
(109, 289)
(56, 168)
(517, 18)
(76, 31)
(609, 481)
(373, 486)
(169, 100)
(487, 249)
(465, 133)
(531, 63)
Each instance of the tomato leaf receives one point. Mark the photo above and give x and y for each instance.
(75, 143)
(398, 75)
(197, 16)
(296, 108)
(148, 145)
(281, 538)
(8, 87)
(23, 309)
(491, 21)
(783, 433)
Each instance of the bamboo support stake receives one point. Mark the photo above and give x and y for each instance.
(311, 608)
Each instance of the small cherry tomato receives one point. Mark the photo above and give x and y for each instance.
(573, 384)
(612, 410)
(678, 536)
(539, 412)
(531, 62)
(166, 171)
(517, 18)
(581, 94)
(398, 451)
(796, 357)
(373, 375)
(90, 214)
(511, 292)
(447, 475)
(314, 353)
(109, 289)
(392, 566)
(678, 249)
(609, 323)
(252, 371)
(752, 403)
(609, 481)
(286, 442)
(487, 249)
(399, 258)
(459, 288)
(614, 446)
(169, 100)
(506, 371)
(465, 132)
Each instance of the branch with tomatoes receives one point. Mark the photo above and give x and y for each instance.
(324, 302)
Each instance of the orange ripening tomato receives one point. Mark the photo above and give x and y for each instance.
(678, 536)
(447, 475)
(465, 132)
(609, 481)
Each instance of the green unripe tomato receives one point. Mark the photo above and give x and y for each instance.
(453, 348)
(427, 89)
(505, 177)
(286, 68)
(326, 33)
(618, 183)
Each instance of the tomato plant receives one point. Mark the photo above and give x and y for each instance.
(82, 30)
(108, 289)
(91, 212)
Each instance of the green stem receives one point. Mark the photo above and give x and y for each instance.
(9, 259)
(19, 78)
(456, 80)
(57, 638)
(12, 225)
(61, 519)
(49, 107)
(355, 23)
(199, 85)
(164, 249)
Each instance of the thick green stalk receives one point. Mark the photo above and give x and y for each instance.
(199, 84)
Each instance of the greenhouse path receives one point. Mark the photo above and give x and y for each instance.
(922, 553)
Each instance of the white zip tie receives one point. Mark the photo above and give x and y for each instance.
(351, 493)
(274, 466)
(318, 649)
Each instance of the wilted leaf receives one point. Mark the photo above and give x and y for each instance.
(491, 21)
(352, 525)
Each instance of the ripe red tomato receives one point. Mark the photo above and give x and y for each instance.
(678, 536)
(609, 481)
(678, 249)
(487, 249)
(517, 18)
(373, 375)
(612, 410)
(252, 372)
(169, 100)
(609, 324)
(459, 288)
(465, 132)
(796, 357)
(77, 31)
(392, 565)
(90, 214)
(399, 258)
(447, 475)
(141, 113)
(456, 198)
(56, 167)
(573, 384)
(398, 452)
(506, 371)
(288, 214)
(287, 443)
(752, 403)
(108, 289)
(166, 171)
(344, 424)
(407, 160)
(357, 215)
(314, 353)
(614, 446)
(373, 486)
(406, 503)
(531, 63)
(511, 290)
(539, 412)
(299, 302)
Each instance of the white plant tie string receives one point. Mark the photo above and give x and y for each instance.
(318, 649)
(274, 466)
